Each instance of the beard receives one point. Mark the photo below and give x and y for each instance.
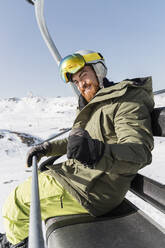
(90, 91)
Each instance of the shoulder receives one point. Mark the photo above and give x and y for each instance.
(144, 83)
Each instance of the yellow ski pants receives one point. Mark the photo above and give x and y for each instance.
(54, 201)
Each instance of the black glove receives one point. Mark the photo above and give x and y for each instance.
(83, 148)
(38, 151)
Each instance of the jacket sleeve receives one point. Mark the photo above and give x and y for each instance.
(132, 125)
(58, 147)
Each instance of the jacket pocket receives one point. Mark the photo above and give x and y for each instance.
(81, 176)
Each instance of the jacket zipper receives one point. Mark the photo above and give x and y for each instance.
(61, 202)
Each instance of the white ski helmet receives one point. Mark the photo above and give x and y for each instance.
(75, 62)
(98, 65)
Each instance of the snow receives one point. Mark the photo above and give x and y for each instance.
(37, 118)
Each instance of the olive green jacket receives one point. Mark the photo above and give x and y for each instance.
(120, 117)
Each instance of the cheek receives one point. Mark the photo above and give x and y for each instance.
(96, 86)
(94, 81)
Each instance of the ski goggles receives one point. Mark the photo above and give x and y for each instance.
(73, 63)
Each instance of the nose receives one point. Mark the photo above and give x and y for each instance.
(82, 84)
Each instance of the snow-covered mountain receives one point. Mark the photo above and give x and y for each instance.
(29, 120)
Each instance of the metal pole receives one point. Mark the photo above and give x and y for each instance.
(35, 229)
(55, 136)
(39, 11)
(159, 92)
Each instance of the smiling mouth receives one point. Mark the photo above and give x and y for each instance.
(87, 88)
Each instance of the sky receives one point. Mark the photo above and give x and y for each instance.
(130, 34)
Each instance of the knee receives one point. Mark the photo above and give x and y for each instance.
(14, 208)
(9, 204)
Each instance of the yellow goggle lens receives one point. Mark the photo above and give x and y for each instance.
(70, 65)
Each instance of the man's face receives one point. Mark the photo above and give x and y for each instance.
(86, 82)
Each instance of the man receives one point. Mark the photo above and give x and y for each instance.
(110, 141)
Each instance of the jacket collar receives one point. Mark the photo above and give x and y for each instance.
(119, 89)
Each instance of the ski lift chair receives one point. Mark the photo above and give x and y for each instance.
(124, 227)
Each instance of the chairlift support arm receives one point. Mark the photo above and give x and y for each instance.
(39, 12)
